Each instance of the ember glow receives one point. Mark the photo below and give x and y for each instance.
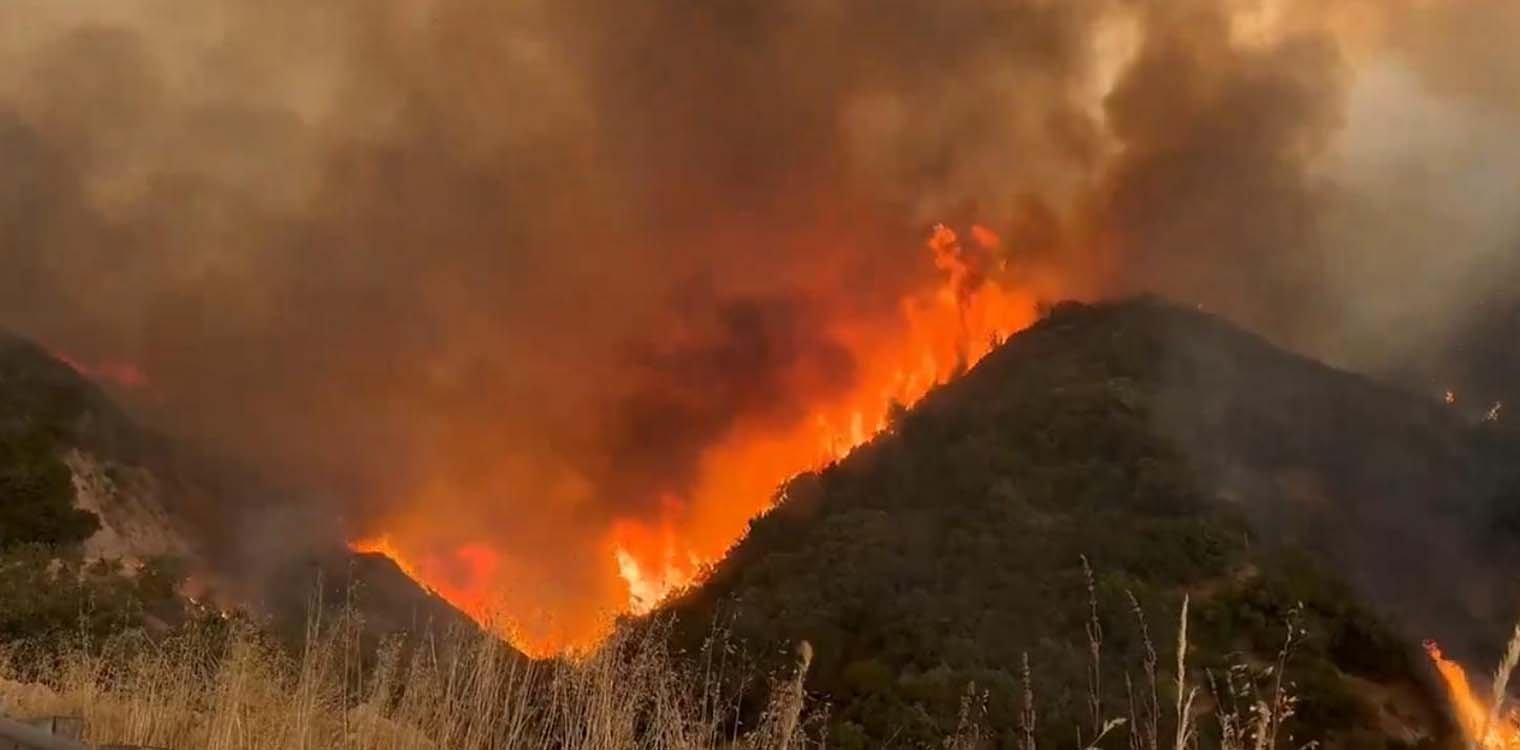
(940, 331)
(461, 577)
(1482, 724)
(119, 374)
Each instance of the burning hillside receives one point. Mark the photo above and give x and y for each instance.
(546, 299)
(1173, 453)
(877, 369)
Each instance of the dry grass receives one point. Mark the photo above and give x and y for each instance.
(1251, 717)
(228, 688)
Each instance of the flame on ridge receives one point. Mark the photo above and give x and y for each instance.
(940, 331)
(947, 329)
(119, 374)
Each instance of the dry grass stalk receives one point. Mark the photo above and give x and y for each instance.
(1148, 723)
(1101, 728)
(1185, 694)
(782, 719)
(1249, 720)
(1282, 700)
(1501, 685)
(1094, 658)
(969, 733)
(1027, 715)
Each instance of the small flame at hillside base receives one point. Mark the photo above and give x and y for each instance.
(1481, 725)
(941, 331)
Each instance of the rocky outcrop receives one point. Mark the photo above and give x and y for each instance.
(134, 524)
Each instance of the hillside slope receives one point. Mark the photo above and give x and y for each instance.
(1179, 455)
(82, 483)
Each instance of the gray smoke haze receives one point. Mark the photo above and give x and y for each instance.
(498, 273)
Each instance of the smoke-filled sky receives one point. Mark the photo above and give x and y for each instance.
(493, 277)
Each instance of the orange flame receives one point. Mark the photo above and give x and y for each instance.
(940, 331)
(1480, 723)
(946, 331)
(460, 577)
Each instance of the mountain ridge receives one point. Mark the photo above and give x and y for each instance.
(1122, 454)
(85, 481)
(1179, 454)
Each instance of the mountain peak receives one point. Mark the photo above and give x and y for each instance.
(1173, 452)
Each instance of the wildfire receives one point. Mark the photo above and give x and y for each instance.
(459, 578)
(945, 330)
(1482, 724)
(939, 332)
(381, 545)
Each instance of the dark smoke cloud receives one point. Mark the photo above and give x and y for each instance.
(435, 259)
(727, 363)
(1212, 198)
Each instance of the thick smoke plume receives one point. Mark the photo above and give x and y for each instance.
(493, 277)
